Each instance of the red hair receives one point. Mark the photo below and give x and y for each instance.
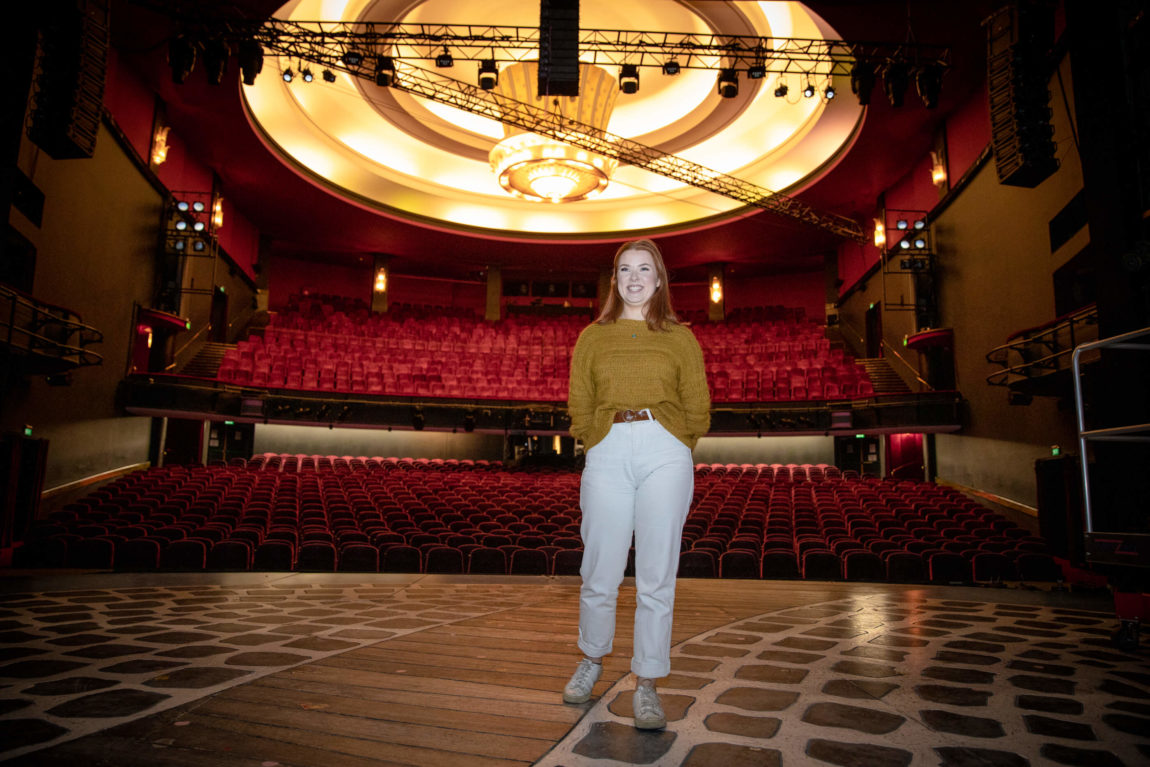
(658, 312)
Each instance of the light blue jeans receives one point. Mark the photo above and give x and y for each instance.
(638, 480)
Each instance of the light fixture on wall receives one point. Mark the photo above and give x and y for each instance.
(879, 233)
(716, 290)
(218, 212)
(937, 169)
(160, 145)
(380, 284)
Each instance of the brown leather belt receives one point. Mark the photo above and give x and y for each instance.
(627, 416)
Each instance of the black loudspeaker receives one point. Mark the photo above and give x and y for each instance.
(22, 462)
(1019, 38)
(1060, 506)
(559, 48)
(69, 87)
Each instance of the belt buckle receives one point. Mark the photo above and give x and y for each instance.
(630, 415)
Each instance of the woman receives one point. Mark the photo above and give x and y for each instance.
(639, 403)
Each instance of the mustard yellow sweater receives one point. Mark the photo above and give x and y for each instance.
(626, 366)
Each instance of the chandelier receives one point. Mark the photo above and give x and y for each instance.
(542, 169)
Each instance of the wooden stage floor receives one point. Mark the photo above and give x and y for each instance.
(308, 670)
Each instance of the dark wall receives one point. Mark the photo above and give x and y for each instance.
(96, 256)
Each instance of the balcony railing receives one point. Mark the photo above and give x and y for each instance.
(47, 339)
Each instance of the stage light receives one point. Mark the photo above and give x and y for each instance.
(756, 72)
(181, 58)
(629, 78)
(862, 80)
(384, 71)
(728, 83)
(251, 57)
(829, 92)
(671, 67)
(901, 224)
(445, 59)
(781, 90)
(928, 83)
(179, 245)
(288, 75)
(306, 74)
(809, 91)
(328, 76)
(488, 74)
(895, 78)
(198, 226)
(920, 224)
(353, 58)
(920, 243)
(181, 225)
(199, 246)
(216, 53)
(904, 244)
(183, 206)
(198, 206)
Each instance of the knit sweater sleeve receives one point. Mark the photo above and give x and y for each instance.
(694, 395)
(581, 392)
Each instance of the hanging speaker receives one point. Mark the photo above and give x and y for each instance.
(69, 95)
(559, 48)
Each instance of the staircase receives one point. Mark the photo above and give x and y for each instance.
(883, 377)
(206, 363)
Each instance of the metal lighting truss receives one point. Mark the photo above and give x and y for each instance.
(437, 87)
(605, 47)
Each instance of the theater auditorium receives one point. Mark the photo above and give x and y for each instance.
(288, 298)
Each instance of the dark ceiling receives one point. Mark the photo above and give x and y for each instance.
(305, 221)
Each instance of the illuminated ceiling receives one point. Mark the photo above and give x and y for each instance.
(386, 150)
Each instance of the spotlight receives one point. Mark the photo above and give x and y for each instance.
(756, 72)
(353, 58)
(781, 90)
(895, 78)
(920, 223)
(216, 53)
(181, 58)
(488, 74)
(198, 226)
(328, 76)
(445, 59)
(182, 205)
(181, 225)
(728, 83)
(862, 80)
(829, 92)
(179, 245)
(671, 67)
(251, 61)
(920, 243)
(306, 74)
(928, 82)
(198, 206)
(199, 246)
(629, 78)
(809, 91)
(288, 75)
(384, 71)
(901, 224)
(904, 244)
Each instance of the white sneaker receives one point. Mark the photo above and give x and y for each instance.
(578, 690)
(647, 708)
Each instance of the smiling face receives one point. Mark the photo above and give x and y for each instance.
(636, 279)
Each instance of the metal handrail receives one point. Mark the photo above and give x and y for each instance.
(1129, 433)
(913, 370)
(43, 316)
(999, 355)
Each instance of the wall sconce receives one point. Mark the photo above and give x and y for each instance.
(937, 169)
(716, 290)
(218, 213)
(160, 145)
(146, 330)
(380, 285)
(879, 233)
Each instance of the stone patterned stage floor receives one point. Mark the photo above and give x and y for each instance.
(284, 669)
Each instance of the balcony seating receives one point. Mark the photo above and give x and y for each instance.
(325, 343)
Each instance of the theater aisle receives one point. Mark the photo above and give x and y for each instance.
(280, 670)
